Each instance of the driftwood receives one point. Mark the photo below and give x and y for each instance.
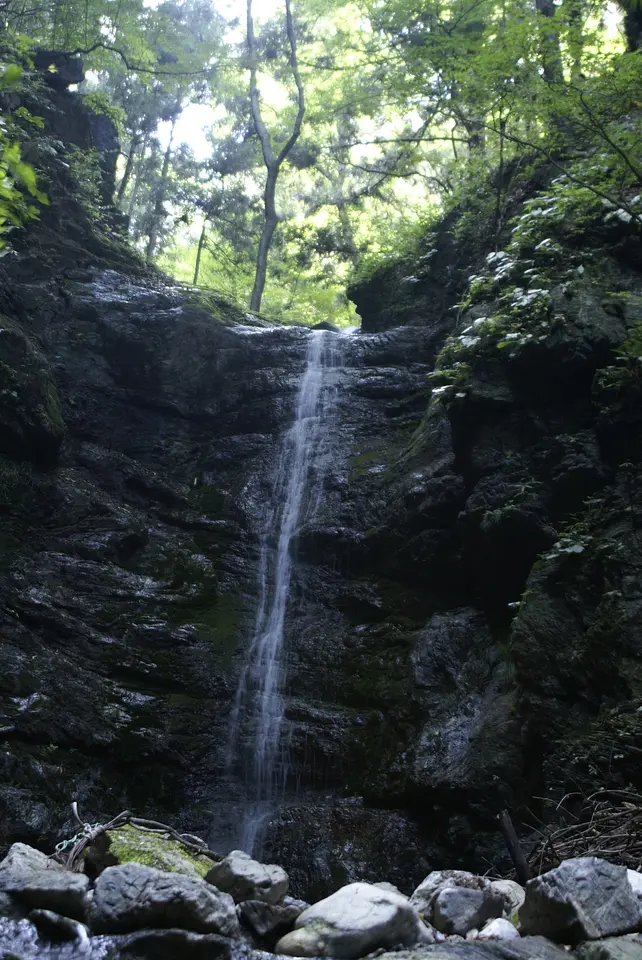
(605, 824)
(514, 847)
(91, 832)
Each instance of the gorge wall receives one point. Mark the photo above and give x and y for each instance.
(461, 632)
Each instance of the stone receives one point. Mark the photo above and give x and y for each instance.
(63, 892)
(10, 908)
(583, 899)
(513, 893)
(457, 914)
(498, 929)
(267, 918)
(457, 910)
(56, 927)
(173, 943)
(132, 896)
(613, 948)
(22, 858)
(247, 879)
(523, 948)
(354, 921)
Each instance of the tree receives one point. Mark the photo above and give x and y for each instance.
(273, 161)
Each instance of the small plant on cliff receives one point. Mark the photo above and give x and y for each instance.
(18, 181)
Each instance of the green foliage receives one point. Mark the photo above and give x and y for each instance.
(18, 180)
(84, 166)
(98, 102)
(628, 370)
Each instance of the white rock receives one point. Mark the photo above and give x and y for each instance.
(247, 879)
(24, 859)
(513, 893)
(635, 880)
(498, 929)
(384, 885)
(354, 921)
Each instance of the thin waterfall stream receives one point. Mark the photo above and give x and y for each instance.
(296, 493)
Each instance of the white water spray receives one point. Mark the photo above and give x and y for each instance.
(296, 494)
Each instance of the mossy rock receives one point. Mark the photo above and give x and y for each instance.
(129, 845)
(31, 424)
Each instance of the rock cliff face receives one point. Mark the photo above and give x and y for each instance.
(139, 426)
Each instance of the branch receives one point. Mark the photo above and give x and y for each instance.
(255, 102)
(136, 68)
(615, 203)
(294, 66)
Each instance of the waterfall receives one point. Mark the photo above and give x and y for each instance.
(296, 494)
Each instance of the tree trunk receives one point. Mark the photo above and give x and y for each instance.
(633, 28)
(269, 226)
(129, 168)
(157, 218)
(137, 181)
(272, 163)
(551, 50)
(201, 244)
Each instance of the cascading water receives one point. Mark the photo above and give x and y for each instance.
(296, 493)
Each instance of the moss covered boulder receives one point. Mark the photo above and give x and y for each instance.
(130, 845)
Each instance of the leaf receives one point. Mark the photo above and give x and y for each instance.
(12, 73)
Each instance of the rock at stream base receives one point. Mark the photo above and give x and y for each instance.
(247, 879)
(583, 899)
(456, 901)
(22, 859)
(62, 892)
(266, 919)
(172, 944)
(524, 948)
(131, 896)
(460, 909)
(54, 927)
(613, 948)
(354, 921)
(513, 893)
(498, 929)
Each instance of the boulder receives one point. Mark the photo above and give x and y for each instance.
(498, 929)
(513, 893)
(129, 845)
(354, 921)
(583, 899)
(456, 910)
(247, 879)
(53, 926)
(173, 943)
(64, 892)
(613, 948)
(22, 858)
(267, 919)
(132, 896)
(10, 908)
(524, 948)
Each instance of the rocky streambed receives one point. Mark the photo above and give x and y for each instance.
(115, 904)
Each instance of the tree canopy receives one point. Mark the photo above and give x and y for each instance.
(273, 153)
